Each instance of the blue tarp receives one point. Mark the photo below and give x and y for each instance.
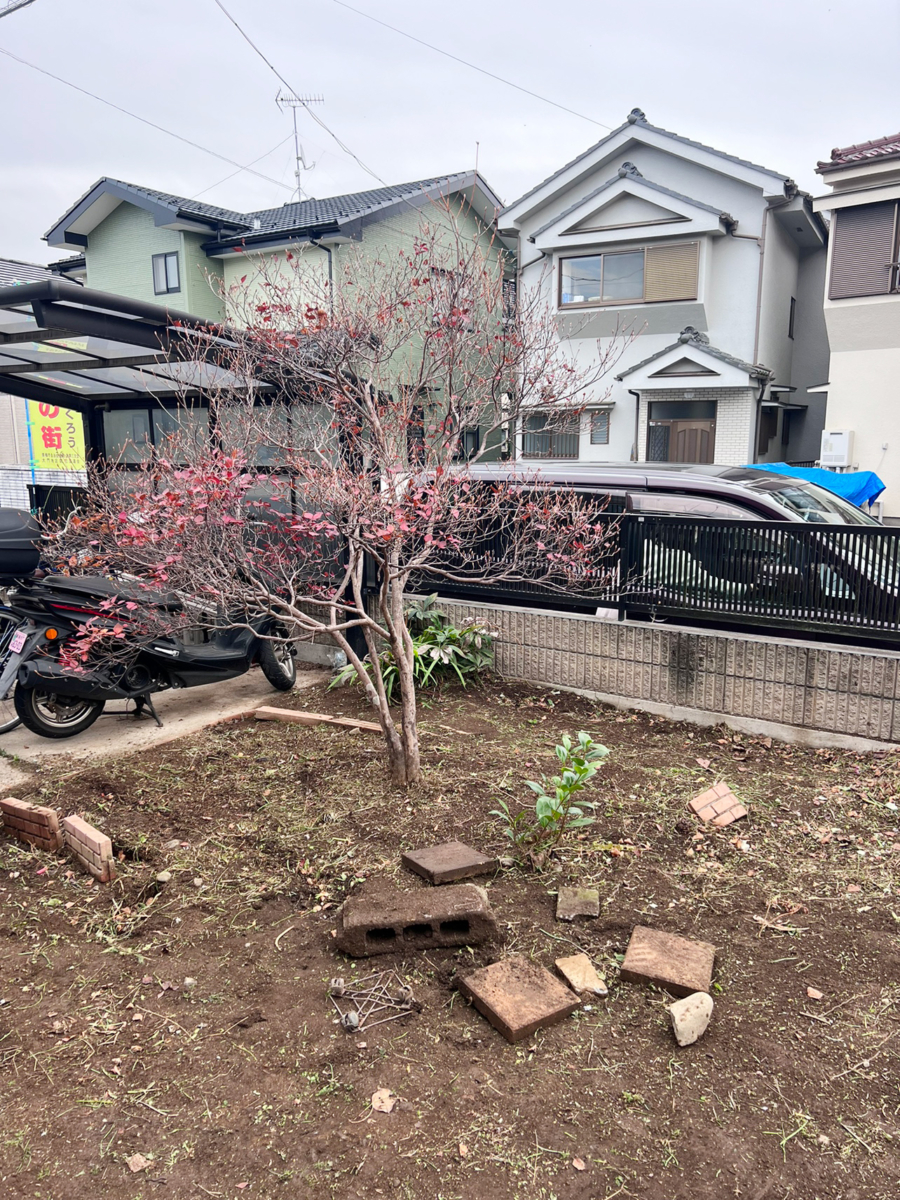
(859, 487)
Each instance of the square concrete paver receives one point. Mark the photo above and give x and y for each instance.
(577, 902)
(680, 965)
(718, 804)
(448, 862)
(581, 975)
(518, 997)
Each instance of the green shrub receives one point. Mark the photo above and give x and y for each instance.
(441, 650)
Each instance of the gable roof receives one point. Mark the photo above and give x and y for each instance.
(638, 120)
(292, 218)
(690, 336)
(630, 171)
(881, 148)
(13, 272)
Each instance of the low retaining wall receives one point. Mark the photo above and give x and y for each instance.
(805, 691)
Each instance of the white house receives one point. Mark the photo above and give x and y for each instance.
(713, 267)
(862, 307)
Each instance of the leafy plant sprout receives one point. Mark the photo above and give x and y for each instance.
(555, 810)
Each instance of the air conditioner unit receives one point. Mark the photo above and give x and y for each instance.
(837, 448)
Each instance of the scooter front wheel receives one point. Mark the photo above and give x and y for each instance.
(277, 663)
(52, 716)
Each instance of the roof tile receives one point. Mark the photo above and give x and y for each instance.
(886, 147)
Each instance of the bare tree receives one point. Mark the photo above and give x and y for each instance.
(345, 423)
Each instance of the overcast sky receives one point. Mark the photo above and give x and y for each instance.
(777, 81)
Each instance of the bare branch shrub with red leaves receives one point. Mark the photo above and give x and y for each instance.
(346, 422)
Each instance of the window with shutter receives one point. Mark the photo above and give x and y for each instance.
(671, 272)
(863, 249)
(648, 275)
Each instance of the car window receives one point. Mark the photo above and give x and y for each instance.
(686, 506)
(816, 505)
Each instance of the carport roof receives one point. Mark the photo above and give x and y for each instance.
(68, 345)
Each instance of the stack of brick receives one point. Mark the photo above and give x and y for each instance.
(31, 823)
(92, 848)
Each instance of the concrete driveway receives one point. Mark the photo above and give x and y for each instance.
(116, 733)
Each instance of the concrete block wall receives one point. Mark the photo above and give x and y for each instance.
(744, 679)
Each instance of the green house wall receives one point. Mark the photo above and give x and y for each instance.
(119, 258)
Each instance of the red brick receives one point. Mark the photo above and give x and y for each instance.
(518, 997)
(31, 823)
(92, 848)
(680, 965)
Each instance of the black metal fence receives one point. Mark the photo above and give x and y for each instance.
(839, 581)
(835, 579)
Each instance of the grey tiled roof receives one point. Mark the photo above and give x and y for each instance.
(637, 118)
(13, 272)
(306, 214)
(692, 337)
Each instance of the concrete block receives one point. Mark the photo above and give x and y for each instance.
(92, 848)
(459, 915)
(32, 823)
(577, 902)
(679, 965)
(448, 862)
(518, 997)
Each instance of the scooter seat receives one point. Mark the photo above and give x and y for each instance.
(99, 587)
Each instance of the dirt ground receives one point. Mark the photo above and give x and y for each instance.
(187, 1022)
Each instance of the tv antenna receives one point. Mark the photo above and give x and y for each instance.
(13, 5)
(289, 100)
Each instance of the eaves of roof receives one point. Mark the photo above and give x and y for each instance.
(637, 118)
(638, 178)
(875, 151)
(691, 337)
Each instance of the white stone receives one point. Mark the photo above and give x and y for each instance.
(691, 1017)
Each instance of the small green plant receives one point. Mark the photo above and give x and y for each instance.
(441, 650)
(555, 813)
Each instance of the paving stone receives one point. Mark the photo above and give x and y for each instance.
(577, 902)
(718, 804)
(691, 1017)
(518, 997)
(295, 717)
(92, 848)
(32, 823)
(448, 862)
(458, 915)
(580, 974)
(679, 965)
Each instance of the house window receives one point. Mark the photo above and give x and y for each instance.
(165, 274)
(648, 275)
(469, 443)
(864, 251)
(600, 428)
(550, 436)
(791, 318)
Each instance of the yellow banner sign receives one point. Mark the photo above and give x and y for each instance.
(56, 437)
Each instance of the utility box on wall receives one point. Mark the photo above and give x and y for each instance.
(837, 448)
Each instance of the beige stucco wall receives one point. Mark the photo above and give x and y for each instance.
(864, 395)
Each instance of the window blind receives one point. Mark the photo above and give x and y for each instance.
(670, 272)
(862, 244)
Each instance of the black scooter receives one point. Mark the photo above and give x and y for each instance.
(56, 702)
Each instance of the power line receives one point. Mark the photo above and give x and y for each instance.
(144, 120)
(346, 149)
(482, 70)
(240, 169)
